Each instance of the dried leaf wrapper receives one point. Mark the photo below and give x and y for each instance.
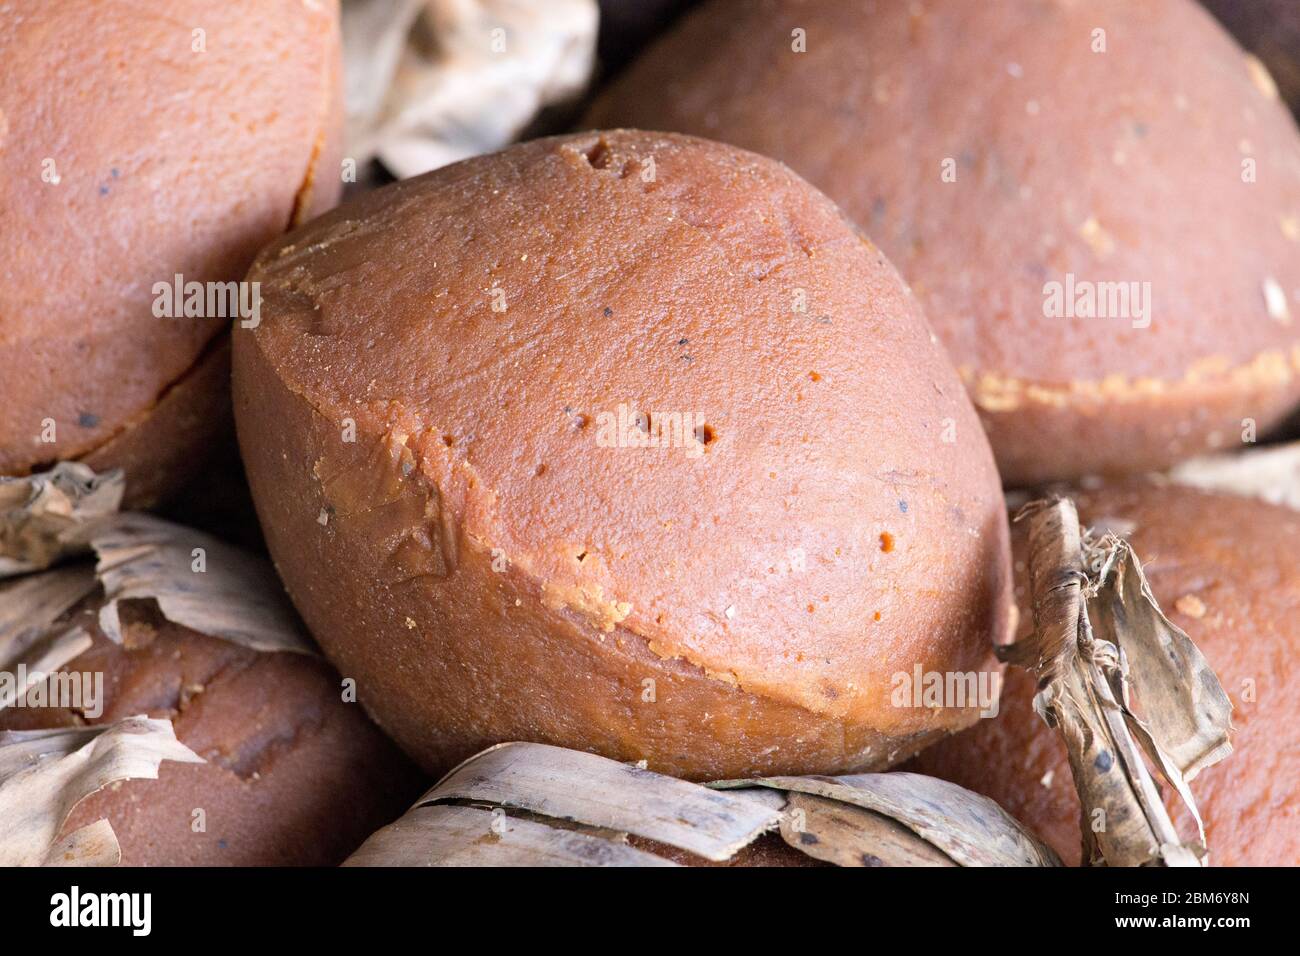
(430, 82)
(537, 805)
(1272, 474)
(32, 645)
(49, 516)
(195, 580)
(236, 597)
(1100, 638)
(970, 830)
(44, 774)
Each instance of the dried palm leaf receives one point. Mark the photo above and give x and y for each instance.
(522, 804)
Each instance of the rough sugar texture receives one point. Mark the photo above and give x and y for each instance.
(1122, 166)
(294, 776)
(170, 161)
(731, 607)
(1227, 571)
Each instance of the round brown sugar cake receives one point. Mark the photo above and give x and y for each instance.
(140, 142)
(294, 776)
(1227, 571)
(627, 443)
(1107, 241)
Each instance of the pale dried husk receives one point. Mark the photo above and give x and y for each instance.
(48, 516)
(425, 86)
(523, 804)
(193, 579)
(1101, 649)
(237, 597)
(31, 643)
(969, 829)
(1271, 473)
(44, 774)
